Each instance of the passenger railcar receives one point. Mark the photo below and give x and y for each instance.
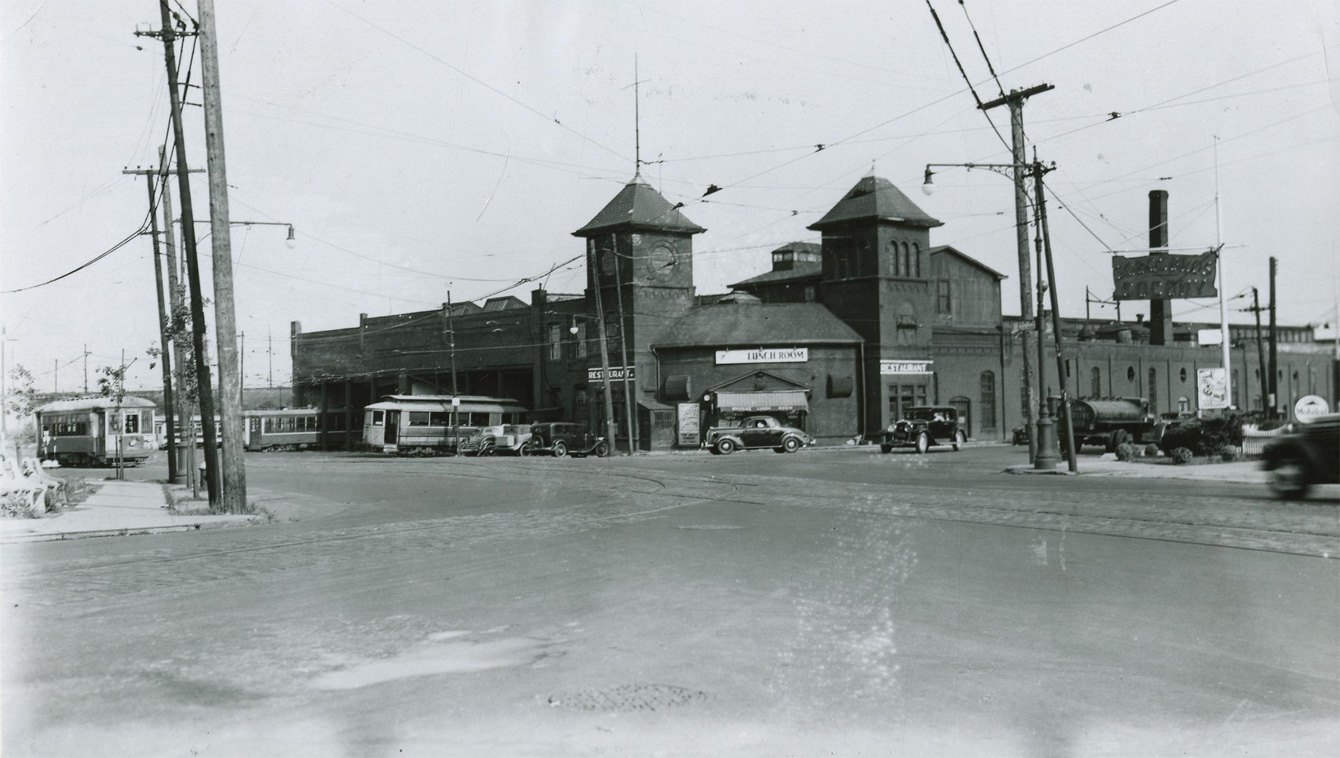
(424, 424)
(288, 429)
(96, 431)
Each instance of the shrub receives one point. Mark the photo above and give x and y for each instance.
(1204, 436)
(1125, 451)
(1182, 455)
(1151, 450)
(15, 505)
(1228, 453)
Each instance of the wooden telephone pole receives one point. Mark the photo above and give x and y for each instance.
(1015, 101)
(203, 380)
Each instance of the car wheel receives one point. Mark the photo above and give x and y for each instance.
(602, 450)
(886, 449)
(487, 451)
(923, 443)
(560, 449)
(790, 444)
(1290, 479)
(726, 447)
(959, 440)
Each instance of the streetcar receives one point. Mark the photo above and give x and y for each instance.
(96, 431)
(424, 424)
(287, 429)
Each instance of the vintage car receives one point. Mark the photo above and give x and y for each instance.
(922, 427)
(504, 439)
(756, 433)
(1310, 455)
(560, 438)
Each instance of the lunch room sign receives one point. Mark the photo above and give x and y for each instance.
(1164, 276)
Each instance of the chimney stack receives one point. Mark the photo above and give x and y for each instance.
(1160, 311)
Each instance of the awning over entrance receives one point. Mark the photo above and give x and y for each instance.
(763, 401)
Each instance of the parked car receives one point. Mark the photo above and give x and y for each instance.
(560, 438)
(924, 427)
(504, 439)
(1020, 435)
(1310, 455)
(756, 433)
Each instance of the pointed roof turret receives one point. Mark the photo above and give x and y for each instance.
(875, 198)
(638, 206)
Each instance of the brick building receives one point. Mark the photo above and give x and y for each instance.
(839, 338)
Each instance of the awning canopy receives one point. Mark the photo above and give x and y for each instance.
(763, 401)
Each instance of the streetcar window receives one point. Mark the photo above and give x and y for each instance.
(377, 418)
(439, 418)
(132, 423)
(269, 426)
(113, 424)
(418, 418)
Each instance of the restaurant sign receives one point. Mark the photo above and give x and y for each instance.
(1164, 276)
(893, 368)
(617, 373)
(764, 355)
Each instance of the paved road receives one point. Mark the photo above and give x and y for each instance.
(842, 603)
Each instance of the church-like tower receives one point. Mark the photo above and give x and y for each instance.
(877, 277)
(640, 254)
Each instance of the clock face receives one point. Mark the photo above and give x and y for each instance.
(607, 260)
(660, 262)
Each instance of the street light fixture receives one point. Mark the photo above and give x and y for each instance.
(292, 241)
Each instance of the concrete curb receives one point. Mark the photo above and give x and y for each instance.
(121, 532)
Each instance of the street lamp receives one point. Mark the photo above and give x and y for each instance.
(292, 241)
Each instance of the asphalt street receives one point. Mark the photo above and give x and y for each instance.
(824, 603)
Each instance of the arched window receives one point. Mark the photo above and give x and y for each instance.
(1154, 390)
(988, 404)
(907, 261)
(916, 260)
(1095, 382)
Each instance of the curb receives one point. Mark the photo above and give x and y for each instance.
(121, 532)
(1028, 470)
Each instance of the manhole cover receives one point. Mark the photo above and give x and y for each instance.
(627, 697)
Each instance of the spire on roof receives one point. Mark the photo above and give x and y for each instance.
(639, 206)
(875, 198)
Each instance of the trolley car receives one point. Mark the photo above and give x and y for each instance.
(423, 424)
(288, 429)
(96, 431)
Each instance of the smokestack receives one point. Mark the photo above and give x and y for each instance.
(1160, 311)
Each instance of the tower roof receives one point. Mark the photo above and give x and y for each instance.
(875, 198)
(638, 206)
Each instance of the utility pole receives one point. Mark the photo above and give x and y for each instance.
(1015, 101)
(1067, 427)
(270, 359)
(455, 394)
(604, 343)
(1225, 349)
(184, 410)
(242, 371)
(55, 375)
(1274, 346)
(203, 380)
(628, 393)
(169, 423)
(1260, 354)
(234, 480)
(85, 368)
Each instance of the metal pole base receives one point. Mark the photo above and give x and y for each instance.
(1048, 454)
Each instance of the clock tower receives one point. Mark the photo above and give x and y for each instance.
(639, 253)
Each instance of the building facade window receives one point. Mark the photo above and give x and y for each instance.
(943, 304)
(1095, 382)
(904, 396)
(988, 399)
(906, 261)
(555, 342)
(1154, 390)
(578, 348)
(916, 260)
(906, 325)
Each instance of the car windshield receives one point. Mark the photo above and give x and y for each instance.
(920, 414)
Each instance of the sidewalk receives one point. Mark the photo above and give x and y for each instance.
(1242, 472)
(117, 508)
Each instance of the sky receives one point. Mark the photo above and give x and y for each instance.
(421, 148)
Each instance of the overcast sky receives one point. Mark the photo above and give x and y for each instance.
(418, 147)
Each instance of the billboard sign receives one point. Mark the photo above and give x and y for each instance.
(688, 424)
(1164, 276)
(763, 355)
(1212, 385)
(1209, 337)
(1309, 407)
(617, 373)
